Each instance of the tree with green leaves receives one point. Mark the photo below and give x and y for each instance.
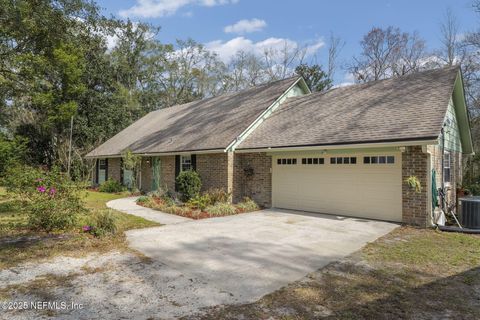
(316, 79)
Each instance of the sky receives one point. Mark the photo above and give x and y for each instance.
(225, 26)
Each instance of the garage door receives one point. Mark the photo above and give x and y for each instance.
(360, 185)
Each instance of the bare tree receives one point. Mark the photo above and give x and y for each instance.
(335, 46)
(245, 70)
(412, 52)
(449, 30)
(280, 63)
(386, 53)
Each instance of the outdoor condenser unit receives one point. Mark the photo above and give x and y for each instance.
(470, 212)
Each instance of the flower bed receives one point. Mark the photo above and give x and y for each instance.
(200, 207)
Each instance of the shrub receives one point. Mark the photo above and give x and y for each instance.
(188, 184)
(51, 200)
(168, 200)
(111, 186)
(180, 211)
(200, 202)
(144, 199)
(247, 205)
(221, 209)
(22, 180)
(101, 223)
(474, 189)
(12, 152)
(218, 195)
(159, 193)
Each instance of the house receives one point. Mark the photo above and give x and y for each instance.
(347, 151)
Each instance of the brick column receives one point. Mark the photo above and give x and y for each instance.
(415, 206)
(252, 178)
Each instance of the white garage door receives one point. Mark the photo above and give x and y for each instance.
(360, 185)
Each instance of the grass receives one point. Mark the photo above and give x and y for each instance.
(97, 200)
(35, 246)
(408, 274)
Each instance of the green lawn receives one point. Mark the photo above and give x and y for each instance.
(38, 245)
(97, 200)
(408, 274)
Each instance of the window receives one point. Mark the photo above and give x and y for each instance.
(379, 160)
(343, 160)
(286, 161)
(102, 164)
(186, 163)
(446, 168)
(313, 160)
(102, 173)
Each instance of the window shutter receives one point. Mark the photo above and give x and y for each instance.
(97, 169)
(194, 162)
(177, 169)
(106, 169)
(121, 172)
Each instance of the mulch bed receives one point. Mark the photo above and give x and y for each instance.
(192, 213)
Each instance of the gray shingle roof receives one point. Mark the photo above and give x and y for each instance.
(200, 125)
(405, 108)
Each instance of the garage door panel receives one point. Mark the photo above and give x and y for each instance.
(370, 191)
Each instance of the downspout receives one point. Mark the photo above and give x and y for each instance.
(443, 169)
(429, 184)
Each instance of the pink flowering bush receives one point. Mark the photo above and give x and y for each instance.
(51, 199)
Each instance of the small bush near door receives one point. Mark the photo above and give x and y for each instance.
(188, 184)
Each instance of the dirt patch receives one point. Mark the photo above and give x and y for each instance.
(117, 285)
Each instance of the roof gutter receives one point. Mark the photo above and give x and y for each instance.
(158, 154)
(343, 146)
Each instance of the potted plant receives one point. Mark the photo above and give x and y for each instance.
(414, 183)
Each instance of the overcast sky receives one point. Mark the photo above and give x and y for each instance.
(228, 25)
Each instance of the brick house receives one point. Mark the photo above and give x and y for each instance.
(347, 151)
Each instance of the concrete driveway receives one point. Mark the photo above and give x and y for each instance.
(238, 259)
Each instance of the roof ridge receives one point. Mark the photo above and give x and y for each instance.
(373, 82)
(267, 84)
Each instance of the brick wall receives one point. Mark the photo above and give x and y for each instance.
(214, 170)
(252, 178)
(114, 168)
(415, 206)
(167, 172)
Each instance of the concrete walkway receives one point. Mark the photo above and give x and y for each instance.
(128, 205)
